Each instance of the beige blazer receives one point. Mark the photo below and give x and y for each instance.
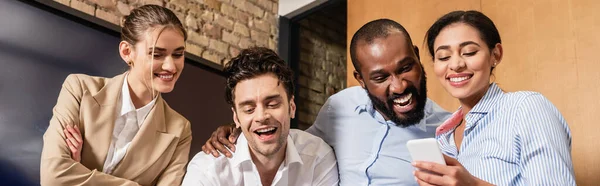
(157, 155)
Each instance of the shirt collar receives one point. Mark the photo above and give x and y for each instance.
(422, 123)
(242, 154)
(127, 104)
(483, 107)
(291, 153)
(370, 109)
(450, 123)
(143, 112)
(487, 102)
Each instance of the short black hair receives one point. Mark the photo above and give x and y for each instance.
(253, 62)
(379, 28)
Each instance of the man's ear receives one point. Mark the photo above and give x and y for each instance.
(235, 118)
(292, 108)
(416, 49)
(360, 79)
(127, 52)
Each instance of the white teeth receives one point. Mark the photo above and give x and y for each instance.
(459, 79)
(166, 76)
(403, 100)
(266, 130)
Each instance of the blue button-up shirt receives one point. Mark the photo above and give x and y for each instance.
(369, 149)
(517, 138)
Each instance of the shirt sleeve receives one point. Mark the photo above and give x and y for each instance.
(57, 167)
(322, 122)
(435, 114)
(544, 139)
(199, 174)
(326, 171)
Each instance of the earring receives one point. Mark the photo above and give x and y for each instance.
(494, 64)
(130, 63)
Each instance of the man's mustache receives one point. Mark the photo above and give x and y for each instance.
(410, 89)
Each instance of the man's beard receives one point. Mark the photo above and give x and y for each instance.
(411, 117)
(266, 151)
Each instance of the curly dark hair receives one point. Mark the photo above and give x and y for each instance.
(253, 62)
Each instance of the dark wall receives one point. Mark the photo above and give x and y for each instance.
(200, 97)
(40, 46)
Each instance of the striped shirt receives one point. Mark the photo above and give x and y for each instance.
(517, 138)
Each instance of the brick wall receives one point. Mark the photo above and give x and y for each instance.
(322, 61)
(217, 29)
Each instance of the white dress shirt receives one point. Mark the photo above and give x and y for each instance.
(126, 127)
(308, 161)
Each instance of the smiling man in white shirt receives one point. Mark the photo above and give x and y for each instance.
(260, 89)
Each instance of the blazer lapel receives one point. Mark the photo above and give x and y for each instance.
(99, 119)
(148, 145)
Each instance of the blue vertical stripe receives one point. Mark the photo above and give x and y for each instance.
(517, 138)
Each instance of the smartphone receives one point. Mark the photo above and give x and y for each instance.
(425, 150)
